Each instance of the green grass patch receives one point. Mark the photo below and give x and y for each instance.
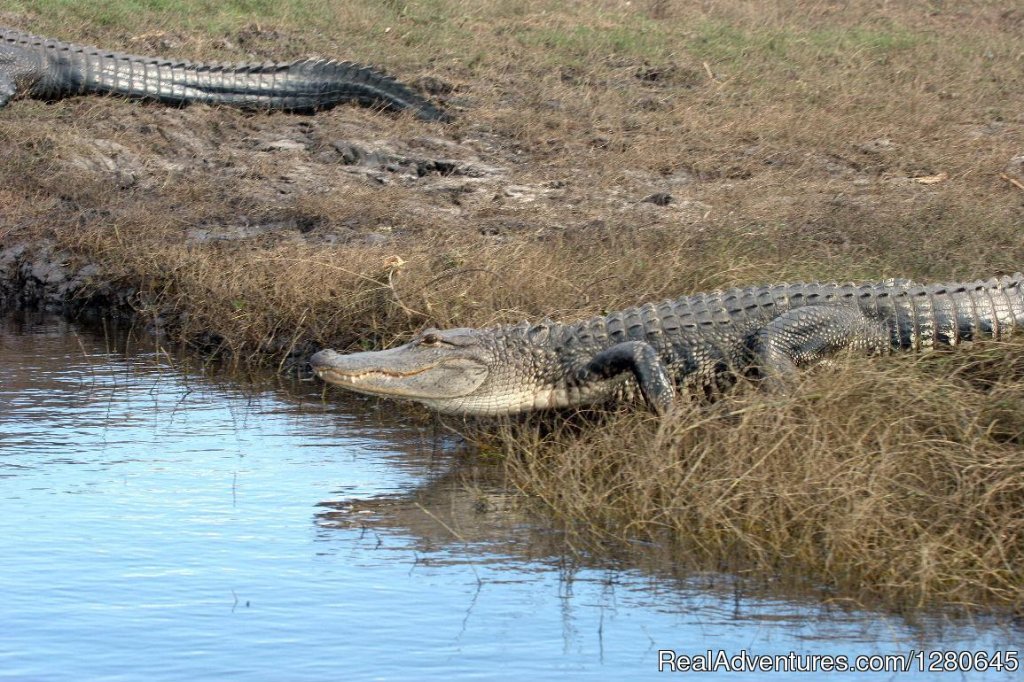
(731, 43)
(639, 40)
(837, 41)
(202, 15)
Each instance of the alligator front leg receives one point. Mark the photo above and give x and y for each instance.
(643, 361)
(810, 335)
(8, 88)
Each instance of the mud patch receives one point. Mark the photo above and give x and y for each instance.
(40, 276)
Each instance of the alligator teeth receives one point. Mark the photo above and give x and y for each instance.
(350, 377)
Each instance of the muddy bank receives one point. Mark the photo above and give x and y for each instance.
(209, 180)
(259, 169)
(107, 200)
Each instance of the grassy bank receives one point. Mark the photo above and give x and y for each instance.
(796, 141)
(896, 483)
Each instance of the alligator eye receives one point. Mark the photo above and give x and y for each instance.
(430, 339)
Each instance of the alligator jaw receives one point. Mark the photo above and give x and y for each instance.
(338, 376)
(355, 377)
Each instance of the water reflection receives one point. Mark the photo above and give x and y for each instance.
(160, 523)
(468, 516)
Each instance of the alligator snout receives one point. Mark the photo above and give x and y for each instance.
(322, 359)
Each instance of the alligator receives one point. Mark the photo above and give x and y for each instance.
(704, 341)
(48, 69)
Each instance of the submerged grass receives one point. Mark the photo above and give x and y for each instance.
(797, 140)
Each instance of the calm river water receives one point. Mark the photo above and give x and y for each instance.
(160, 524)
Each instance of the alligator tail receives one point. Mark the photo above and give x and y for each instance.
(940, 315)
(302, 86)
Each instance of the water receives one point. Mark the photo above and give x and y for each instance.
(160, 524)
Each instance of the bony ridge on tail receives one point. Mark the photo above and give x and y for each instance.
(42, 68)
(694, 341)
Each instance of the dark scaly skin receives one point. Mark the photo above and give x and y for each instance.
(49, 69)
(691, 342)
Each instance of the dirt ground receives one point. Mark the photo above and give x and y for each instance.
(602, 154)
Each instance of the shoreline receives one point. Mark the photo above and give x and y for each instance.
(588, 171)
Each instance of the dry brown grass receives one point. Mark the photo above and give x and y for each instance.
(791, 136)
(881, 484)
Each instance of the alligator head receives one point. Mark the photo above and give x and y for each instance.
(464, 371)
(442, 369)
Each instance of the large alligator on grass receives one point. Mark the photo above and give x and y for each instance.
(698, 341)
(49, 69)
